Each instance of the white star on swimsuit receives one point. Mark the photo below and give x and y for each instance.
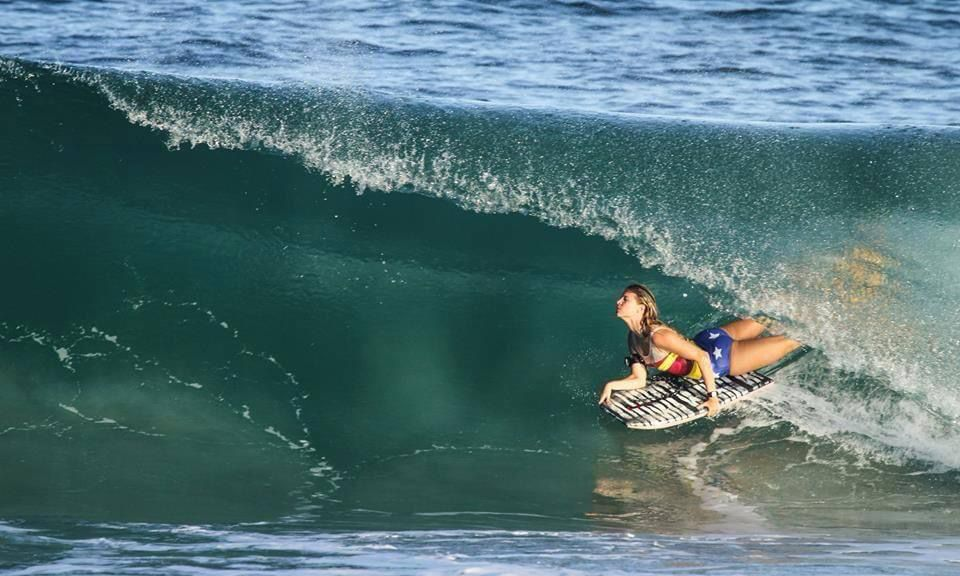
(714, 335)
(717, 353)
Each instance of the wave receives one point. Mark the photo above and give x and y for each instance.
(221, 265)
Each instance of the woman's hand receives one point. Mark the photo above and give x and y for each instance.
(712, 405)
(636, 379)
(605, 393)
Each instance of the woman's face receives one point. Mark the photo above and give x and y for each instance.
(628, 306)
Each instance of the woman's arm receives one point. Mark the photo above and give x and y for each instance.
(672, 342)
(636, 379)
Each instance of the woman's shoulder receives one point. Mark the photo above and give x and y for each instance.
(662, 329)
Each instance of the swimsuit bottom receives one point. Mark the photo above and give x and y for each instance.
(714, 341)
(717, 343)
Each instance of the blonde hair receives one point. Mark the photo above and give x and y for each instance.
(651, 314)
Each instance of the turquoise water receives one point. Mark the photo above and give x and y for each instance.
(255, 320)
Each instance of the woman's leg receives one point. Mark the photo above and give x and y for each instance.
(744, 329)
(747, 355)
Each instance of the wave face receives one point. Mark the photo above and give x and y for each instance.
(261, 289)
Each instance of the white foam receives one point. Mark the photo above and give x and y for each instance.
(107, 421)
(893, 430)
(293, 445)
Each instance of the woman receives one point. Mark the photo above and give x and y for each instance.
(731, 349)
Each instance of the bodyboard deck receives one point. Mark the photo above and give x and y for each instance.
(669, 401)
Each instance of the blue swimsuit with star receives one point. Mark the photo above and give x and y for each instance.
(717, 343)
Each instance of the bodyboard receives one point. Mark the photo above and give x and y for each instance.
(669, 401)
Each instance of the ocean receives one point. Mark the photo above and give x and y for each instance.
(328, 288)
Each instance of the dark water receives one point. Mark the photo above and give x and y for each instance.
(259, 314)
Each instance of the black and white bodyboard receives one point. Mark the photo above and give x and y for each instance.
(669, 401)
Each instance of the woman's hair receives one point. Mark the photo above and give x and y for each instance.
(651, 315)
